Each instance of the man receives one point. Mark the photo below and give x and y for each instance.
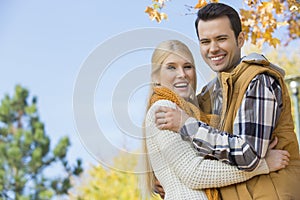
(251, 101)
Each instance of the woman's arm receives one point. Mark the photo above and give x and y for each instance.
(194, 171)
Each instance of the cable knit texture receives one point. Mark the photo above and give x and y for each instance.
(182, 173)
(160, 93)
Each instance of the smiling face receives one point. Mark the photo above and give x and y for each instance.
(218, 45)
(178, 74)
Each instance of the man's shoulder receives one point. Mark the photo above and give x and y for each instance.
(260, 60)
(255, 58)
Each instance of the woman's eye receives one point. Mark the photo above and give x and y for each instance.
(188, 67)
(170, 67)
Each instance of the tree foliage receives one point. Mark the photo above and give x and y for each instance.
(109, 183)
(25, 152)
(260, 19)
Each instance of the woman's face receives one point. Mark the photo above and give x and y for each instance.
(178, 74)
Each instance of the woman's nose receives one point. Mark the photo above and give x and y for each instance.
(181, 72)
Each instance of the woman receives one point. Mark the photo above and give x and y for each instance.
(182, 173)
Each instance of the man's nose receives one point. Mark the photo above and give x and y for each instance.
(214, 47)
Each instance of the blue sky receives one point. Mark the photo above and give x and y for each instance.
(44, 44)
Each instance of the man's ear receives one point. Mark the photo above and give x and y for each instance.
(241, 39)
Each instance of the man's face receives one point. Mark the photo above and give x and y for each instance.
(218, 45)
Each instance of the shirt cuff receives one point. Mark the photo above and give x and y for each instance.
(189, 128)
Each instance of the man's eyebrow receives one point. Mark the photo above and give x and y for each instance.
(203, 39)
(220, 36)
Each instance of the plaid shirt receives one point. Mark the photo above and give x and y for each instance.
(252, 128)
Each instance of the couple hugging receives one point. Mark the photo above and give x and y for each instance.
(233, 141)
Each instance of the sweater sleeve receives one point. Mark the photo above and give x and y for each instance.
(192, 169)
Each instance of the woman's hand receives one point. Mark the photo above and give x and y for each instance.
(276, 159)
(170, 119)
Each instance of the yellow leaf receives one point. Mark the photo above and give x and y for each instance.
(200, 4)
(164, 16)
(278, 7)
(253, 38)
(274, 42)
(149, 10)
(246, 13)
(267, 35)
(156, 16)
(268, 6)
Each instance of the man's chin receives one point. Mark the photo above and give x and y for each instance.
(217, 68)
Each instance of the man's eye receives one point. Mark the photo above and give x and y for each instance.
(222, 39)
(204, 42)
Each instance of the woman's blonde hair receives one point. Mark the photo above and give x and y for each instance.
(161, 52)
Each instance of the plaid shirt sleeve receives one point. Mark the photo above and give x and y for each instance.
(252, 128)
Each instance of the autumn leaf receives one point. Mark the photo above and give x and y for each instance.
(200, 4)
(246, 13)
(267, 35)
(278, 7)
(163, 16)
(149, 10)
(274, 42)
(154, 14)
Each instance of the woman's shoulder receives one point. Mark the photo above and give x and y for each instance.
(159, 103)
(154, 107)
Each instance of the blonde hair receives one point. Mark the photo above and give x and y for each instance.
(161, 52)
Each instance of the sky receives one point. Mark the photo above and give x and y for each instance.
(88, 64)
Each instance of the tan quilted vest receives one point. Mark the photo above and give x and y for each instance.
(277, 185)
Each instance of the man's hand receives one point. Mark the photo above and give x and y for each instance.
(170, 119)
(276, 159)
(159, 189)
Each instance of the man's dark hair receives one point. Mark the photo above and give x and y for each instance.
(216, 10)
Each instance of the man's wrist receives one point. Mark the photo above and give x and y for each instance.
(189, 128)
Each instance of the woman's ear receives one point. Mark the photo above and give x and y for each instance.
(241, 39)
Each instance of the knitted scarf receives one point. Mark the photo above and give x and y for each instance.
(162, 93)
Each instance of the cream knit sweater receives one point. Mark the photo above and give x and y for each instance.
(183, 173)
